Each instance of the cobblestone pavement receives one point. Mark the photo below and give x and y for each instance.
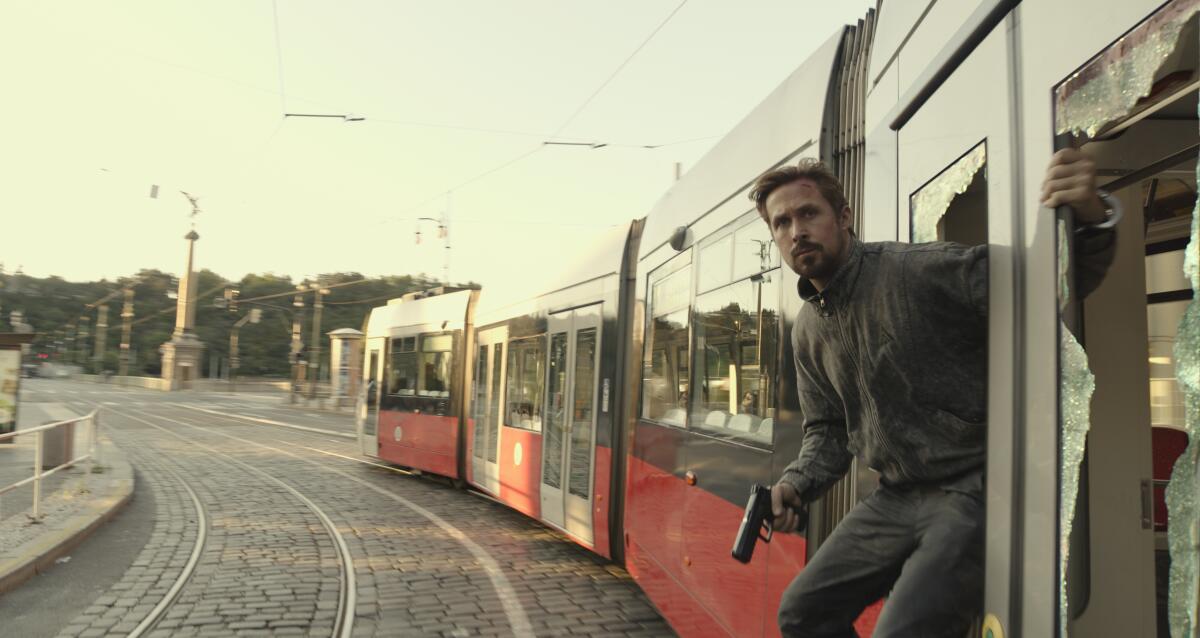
(428, 559)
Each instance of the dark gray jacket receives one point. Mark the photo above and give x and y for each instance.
(891, 362)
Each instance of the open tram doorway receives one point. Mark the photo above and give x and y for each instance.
(569, 434)
(1117, 580)
(487, 408)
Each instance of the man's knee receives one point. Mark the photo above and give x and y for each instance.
(804, 612)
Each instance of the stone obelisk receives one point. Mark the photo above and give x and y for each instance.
(181, 355)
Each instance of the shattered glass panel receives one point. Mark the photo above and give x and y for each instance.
(930, 203)
(1109, 87)
(1183, 511)
(1076, 385)
(1107, 90)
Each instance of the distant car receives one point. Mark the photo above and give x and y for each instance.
(29, 370)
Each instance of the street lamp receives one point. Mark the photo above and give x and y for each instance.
(443, 233)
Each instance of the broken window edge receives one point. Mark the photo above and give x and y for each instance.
(1109, 87)
(930, 203)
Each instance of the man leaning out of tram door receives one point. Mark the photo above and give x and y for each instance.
(890, 352)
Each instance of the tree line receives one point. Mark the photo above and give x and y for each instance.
(53, 308)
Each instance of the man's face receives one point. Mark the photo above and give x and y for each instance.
(813, 239)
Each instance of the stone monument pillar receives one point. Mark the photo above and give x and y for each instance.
(181, 355)
(345, 364)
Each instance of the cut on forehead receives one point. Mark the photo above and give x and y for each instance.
(810, 171)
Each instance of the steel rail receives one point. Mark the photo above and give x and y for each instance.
(514, 611)
(348, 596)
(189, 568)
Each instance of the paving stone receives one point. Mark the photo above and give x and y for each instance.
(269, 567)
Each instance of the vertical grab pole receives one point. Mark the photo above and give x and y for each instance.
(37, 476)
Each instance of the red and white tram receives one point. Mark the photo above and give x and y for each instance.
(634, 403)
(416, 366)
(547, 393)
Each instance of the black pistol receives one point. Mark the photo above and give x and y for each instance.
(758, 516)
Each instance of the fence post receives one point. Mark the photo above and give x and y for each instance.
(95, 442)
(37, 476)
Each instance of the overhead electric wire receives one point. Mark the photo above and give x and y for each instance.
(164, 311)
(565, 123)
(305, 291)
(618, 70)
(357, 301)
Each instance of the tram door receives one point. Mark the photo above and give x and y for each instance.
(486, 408)
(954, 178)
(367, 411)
(569, 434)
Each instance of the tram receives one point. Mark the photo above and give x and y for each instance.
(633, 403)
(416, 350)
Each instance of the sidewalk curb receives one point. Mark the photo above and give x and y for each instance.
(33, 557)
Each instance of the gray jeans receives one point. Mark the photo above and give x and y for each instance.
(922, 544)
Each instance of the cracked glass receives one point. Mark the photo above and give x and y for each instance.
(1183, 491)
(1076, 385)
(1109, 88)
(1127, 78)
(930, 203)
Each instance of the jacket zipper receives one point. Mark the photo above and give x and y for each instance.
(872, 411)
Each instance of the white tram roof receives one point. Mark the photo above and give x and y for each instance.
(413, 316)
(790, 118)
(908, 38)
(596, 257)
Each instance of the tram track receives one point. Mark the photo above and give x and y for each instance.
(347, 599)
(151, 620)
(513, 609)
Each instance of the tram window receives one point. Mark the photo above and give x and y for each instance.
(556, 415)
(665, 375)
(526, 379)
(953, 205)
(479, 413)
(753, 249)
(582, 413)
(736, 344)
(1165, 273)
(402, 373)
(715, 263)
(1167, 402)
(495, 405)
(436, 366)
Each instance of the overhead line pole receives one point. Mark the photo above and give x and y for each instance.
(101, 338)
(126, 332)
(315, 347)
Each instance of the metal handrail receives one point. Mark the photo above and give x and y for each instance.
(38, 474)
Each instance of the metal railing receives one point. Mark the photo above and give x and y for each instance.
(40, 474)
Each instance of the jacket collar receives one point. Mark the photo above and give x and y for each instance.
(841, 285)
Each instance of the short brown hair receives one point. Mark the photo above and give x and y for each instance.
(814, 170)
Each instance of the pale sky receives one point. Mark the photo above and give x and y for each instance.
(104, 99)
